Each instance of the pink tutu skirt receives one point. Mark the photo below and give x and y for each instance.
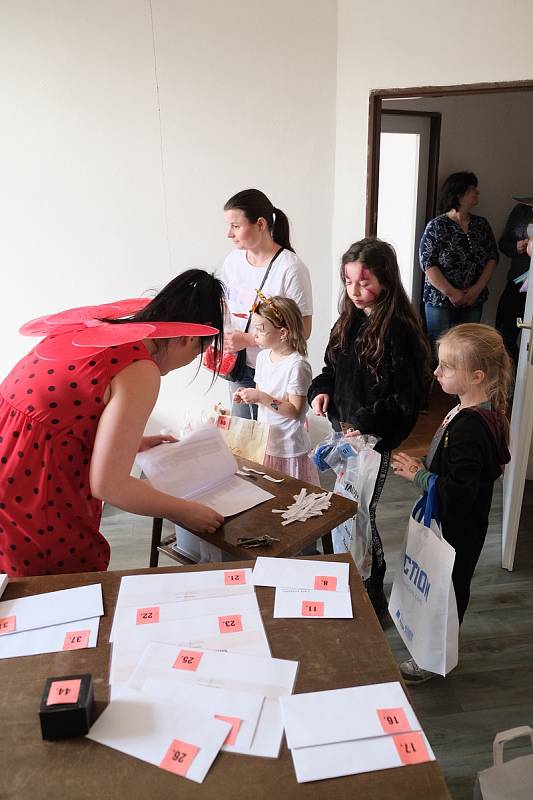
(300, 467)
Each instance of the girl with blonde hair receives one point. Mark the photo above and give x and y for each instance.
(467, 453)
(283, 376)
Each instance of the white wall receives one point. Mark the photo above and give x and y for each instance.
(386, 44)
(491, 136)
(98, 202)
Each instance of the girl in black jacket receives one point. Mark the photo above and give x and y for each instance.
(375, 369)
(467, 453)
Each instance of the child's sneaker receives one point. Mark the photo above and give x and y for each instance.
(412, 673)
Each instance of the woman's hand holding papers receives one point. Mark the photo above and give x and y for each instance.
(199, 518)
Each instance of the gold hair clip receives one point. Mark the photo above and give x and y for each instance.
(261, 298)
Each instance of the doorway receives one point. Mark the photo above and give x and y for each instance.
(497, 150)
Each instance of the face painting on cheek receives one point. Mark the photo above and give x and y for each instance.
(361, 285)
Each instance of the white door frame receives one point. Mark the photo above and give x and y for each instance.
(521, 432)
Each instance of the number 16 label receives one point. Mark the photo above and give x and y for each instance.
(393, 720)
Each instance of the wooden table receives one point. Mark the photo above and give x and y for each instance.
(333, 654)
(259, 520)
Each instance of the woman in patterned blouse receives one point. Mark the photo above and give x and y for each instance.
(458, 254)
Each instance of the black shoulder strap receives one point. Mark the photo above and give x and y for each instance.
(265, 276)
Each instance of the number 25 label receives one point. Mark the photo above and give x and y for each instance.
(188, 660)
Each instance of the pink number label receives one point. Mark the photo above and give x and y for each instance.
(235, 578)
(312, 609)
(8, 624)
(411, 748)
(223, 421)
(188, 660)
(235, 723)
(179, 757)
(147, 616)
(63, 692)
(326, 583)
(76, 640)
(393, 720)
(230, 624)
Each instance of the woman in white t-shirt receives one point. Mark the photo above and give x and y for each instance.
(259, 231)
(283, 376)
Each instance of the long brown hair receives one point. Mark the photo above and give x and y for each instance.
(392, 303)
(479, 347)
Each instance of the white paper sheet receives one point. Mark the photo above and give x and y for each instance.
(270, 678)
(52, 639)
(355, 757)
(141, 591)
(309, 604)
(202, 632)
(140, 727)
(294, 573)
(201, 467)
(339, 715)
(243, 707)
(52, 608)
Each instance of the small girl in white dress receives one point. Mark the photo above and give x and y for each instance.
(282, 376)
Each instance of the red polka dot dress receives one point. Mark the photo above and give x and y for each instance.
(49, 413)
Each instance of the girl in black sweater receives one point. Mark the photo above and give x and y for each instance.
(375, 369)
(467, 453)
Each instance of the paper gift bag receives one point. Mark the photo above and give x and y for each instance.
(422, 602)
(244, 437)
(509, 780)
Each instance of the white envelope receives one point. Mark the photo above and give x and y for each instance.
(203, 632)
(338, 715)
(152, 615)
(175, 587)
(294, 573)
(243, 707)
(145, 729)
(52, 608)
(270, 678)
(309, 604)
(51, 639)
(357, 756)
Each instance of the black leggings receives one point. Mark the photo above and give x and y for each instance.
(374, 583)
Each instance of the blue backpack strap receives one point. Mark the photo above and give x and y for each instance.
(427, 507)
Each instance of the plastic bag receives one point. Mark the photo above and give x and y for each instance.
(356, 465)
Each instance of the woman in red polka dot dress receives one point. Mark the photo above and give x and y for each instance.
(71, 425)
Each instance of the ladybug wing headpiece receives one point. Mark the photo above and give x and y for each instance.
(81, 332)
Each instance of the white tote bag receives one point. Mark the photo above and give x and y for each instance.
(357, 481)
(422, 602)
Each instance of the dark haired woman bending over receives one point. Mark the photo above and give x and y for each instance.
(259, 232)
(375, 369)
(71, 423)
